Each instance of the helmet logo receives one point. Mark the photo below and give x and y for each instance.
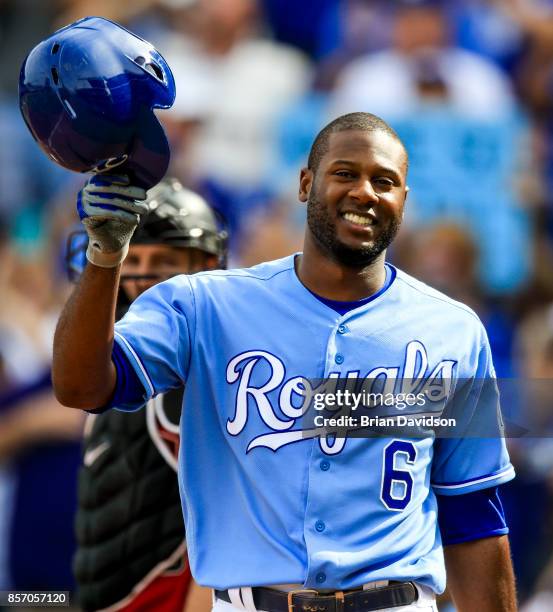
(111, 162)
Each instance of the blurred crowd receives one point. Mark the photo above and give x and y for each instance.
(468, 85)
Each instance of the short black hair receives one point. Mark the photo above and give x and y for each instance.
(364, 122)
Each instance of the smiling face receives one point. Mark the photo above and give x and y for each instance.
(355, 196)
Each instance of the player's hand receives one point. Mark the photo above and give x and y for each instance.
(110, 208)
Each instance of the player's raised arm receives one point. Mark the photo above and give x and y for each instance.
(83, 373)
(88, 118)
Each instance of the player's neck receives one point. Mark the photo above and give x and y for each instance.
(334, 281)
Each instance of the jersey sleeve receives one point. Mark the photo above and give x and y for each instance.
(156, 335)
(473, 516)
(476, 458)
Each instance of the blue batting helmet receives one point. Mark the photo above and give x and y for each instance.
(87, 95)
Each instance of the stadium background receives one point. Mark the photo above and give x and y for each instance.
(468, 84)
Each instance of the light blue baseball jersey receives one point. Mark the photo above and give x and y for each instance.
(264, 504)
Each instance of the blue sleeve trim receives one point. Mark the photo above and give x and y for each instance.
(472, 516)
(129, 391)
(475, 484)
(136, 364)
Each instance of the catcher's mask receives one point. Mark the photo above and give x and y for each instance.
(87, 95)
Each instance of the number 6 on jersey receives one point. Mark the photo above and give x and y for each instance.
(397, 484)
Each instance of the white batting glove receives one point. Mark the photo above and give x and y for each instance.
(110, 208)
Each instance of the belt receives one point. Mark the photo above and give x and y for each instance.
(309, 600)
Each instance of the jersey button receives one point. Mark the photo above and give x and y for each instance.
(342, 329)
(320, 577)
(320, 526)
(325, 465)
(339, 359)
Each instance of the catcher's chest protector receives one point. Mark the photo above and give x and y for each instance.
(129, 518)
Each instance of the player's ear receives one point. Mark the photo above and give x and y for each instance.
(306, 180)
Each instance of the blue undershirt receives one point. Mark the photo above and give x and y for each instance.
(472, 516)
(343, 307)
(128, 390)
(461, 518)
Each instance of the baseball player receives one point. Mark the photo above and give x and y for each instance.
(130, 460)
(281, 516)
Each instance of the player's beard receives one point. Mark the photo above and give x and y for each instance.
(323, 229)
